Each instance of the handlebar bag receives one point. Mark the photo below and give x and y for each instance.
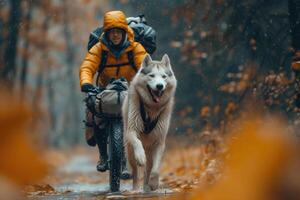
(110, 100)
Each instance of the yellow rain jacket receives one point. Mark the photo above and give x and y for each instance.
(113, 19)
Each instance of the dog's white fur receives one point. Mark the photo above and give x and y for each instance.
(147, 149)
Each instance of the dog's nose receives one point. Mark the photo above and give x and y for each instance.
(159, 86)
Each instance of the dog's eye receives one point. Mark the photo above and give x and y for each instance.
(164, 76)
(152, 75)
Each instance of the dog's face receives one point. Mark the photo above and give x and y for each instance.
(156, 79)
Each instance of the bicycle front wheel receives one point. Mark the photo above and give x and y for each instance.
(115, 151)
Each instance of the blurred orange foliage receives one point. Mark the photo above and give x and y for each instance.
(256, 163)
(20, 161)
(231, 107)
(205, 111)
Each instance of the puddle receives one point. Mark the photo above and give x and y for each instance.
(81, 164)
(91, 188)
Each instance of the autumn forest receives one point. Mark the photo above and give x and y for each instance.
(237, 110)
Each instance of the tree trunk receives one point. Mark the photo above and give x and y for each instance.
(294, 11)
(40, 75)
(73, 111)
(24, 67)
(9, 70)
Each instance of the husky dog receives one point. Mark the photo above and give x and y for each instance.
(146, 113)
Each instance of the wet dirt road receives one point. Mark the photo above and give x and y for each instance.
(77, 178)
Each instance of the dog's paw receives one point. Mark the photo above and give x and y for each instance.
(153, 181)
(135, 188)
(140, 157)
(147, 188)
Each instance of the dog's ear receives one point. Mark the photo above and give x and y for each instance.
(166, 60)
(147, 60)
(166, 63)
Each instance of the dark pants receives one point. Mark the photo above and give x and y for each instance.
(101, 139)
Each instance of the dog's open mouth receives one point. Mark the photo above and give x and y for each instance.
(155, 94)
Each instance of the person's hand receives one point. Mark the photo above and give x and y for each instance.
(90, 101)
(87, 88)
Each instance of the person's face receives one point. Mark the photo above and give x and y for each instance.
(115, 36)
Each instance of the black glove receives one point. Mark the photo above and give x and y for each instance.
(87, 88)
(90, 102)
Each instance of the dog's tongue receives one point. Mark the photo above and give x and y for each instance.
(156, 99)
(156, 96)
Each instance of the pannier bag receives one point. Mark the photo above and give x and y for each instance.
(110, 100)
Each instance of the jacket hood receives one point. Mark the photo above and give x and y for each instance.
(117, 19)
(117, 50)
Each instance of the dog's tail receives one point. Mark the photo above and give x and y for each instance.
(137, 146)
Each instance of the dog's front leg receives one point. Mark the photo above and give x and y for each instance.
(148, 168)
(134, 167)
(136, 155)
(154, 174)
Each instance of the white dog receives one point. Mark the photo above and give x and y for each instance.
(146, 113)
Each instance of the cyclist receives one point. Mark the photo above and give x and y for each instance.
(118, 55)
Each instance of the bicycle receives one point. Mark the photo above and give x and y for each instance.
(106, 105)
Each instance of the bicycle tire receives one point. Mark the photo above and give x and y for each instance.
(115, 151)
